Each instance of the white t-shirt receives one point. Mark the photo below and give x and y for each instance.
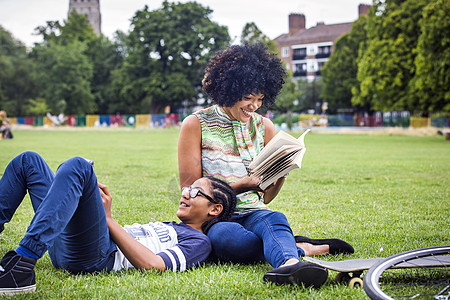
(180, 246)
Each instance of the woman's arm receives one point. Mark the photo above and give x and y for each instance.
(190, 151)
(139, 256)
(190, 157)
(272, 191)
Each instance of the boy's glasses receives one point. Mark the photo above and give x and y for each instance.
(193, 192)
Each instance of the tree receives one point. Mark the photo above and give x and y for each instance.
(16, 82)
(432, 81)
(97, 56)
(106, 58)
(102, 53)
(287, 98)
(63, 72)
(386, 67)
(252, 34)
(76, 28)
(339, 73)
(167, 51)
(37, 107)
(310, 95)
(50, 31)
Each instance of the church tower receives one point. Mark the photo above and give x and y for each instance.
(89, 8)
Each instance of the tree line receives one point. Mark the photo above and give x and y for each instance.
(159, 62)
(395, 58)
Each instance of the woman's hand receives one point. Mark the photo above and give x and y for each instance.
(250, 183)
(272, 190)
(106, 198)
(253, 183)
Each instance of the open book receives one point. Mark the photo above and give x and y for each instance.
(281, 155)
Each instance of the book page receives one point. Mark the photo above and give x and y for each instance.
(280, 139)
(267, 182)
(287, 158)
(277, 155)
(281, 155)
(282, 171)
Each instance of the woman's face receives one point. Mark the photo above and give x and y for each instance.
(243, 109)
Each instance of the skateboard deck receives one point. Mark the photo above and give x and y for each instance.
(357, 266)
(345, 266)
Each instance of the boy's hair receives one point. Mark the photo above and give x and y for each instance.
(225, 195)
(241, 70)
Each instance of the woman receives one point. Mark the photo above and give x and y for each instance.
(222, 140)
(73, 222)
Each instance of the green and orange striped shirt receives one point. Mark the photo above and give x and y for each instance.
(228, 147)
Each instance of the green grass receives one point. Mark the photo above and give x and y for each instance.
(383, 194)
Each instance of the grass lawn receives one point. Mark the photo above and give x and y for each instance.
(382, 194)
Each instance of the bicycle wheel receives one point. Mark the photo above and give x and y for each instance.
(417, 274)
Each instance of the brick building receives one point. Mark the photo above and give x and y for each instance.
(91, 9)
(305, 51)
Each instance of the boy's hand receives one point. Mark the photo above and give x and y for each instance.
(106, 198)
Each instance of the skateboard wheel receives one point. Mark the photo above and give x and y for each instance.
(343, 277)
(355, 282)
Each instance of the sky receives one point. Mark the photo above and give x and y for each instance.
(20, 17)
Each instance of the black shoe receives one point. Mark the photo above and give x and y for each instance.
(17, 274)
(336, 245)
(307, 274)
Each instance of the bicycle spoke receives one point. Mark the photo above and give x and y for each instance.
(417, 274)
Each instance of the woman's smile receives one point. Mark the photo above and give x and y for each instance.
(244, 108)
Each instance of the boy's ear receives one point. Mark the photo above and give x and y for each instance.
(215, 210)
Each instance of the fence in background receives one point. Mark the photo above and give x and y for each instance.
(169, 120)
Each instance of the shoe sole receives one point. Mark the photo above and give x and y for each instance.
(309, 276)
(18, 290)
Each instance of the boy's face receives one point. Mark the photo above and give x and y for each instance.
(243, 109)
(195, 209)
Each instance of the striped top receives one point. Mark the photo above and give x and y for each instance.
(228, 147)
(180, 246)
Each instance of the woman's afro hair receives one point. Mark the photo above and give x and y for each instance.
(241, 70)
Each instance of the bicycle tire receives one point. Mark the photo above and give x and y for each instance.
(400, 276)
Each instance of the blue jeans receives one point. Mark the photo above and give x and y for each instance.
(69, 220)
(257, 236)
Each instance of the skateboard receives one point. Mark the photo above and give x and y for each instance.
(350, 271)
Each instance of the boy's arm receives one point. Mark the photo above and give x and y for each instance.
(139, 256)
(192, 249)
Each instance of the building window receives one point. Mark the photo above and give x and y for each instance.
(299, 54)
(320, 65)
(285, 52)
(324, 51)
(300, 69)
